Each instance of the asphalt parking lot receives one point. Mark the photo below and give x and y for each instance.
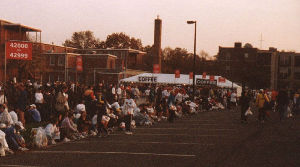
(205, 139)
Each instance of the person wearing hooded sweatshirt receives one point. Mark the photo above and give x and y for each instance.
(261, 99)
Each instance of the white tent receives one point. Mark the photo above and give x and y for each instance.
(184, 79)
(170, 79)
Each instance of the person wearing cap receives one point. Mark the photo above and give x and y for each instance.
(34, 113)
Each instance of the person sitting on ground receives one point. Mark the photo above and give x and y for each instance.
(84, 124)
(4, 149)
(14, 116)
(52, 131)
(151, 112)
(68, 128)
(14, 140)
(34, 113)
(5, 117)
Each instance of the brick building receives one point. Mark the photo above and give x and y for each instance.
(15, 68)
(260, 68)
(286, 70)
(58, 63)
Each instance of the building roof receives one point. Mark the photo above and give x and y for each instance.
(18, 25)
(111, 49)
(108, 55)
(63, 53)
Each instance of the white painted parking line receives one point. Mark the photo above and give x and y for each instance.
(219, 129)
(19, 166)
(165, 134)
(128, 153)
(118, 142)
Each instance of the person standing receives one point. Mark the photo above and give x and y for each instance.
(244, 101)
(233, 97)
(282, 103)
(261, 99)
(128, 108)
(172, 108)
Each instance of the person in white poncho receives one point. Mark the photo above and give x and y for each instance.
(128, 108)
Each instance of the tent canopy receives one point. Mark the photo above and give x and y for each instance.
(170, 79)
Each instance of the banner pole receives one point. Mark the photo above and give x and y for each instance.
(4, 85)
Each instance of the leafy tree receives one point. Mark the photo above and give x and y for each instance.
(122, 41)
(248, 45)
(83, 40)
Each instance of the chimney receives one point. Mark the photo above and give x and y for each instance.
(156, 54)
(238, 45)
(272, 49)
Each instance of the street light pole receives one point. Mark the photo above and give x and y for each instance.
(195, 37)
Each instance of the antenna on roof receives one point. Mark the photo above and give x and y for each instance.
(261, 41)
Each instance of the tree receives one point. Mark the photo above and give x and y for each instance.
(204, 55)
(248, 45)
(123, 41)
(83, 40)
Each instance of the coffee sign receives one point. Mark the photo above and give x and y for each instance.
(147, 79)
(202, 82)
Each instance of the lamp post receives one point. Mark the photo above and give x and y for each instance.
(194, 22)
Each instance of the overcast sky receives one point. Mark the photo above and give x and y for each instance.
(219, 22)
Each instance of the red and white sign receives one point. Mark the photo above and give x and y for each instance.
(211, 77)
(221, 79)
(156, 68)
(79, 63)
(204, 75)
(18, 50)
(177, 74)
(191, 75)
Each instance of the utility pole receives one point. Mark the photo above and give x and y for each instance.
(261, 41)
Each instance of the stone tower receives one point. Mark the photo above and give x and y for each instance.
(156, 52)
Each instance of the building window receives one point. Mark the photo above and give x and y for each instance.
(284, 60)
(297, 75)
(111, 64)
(52, 60)
(297, 61)
(61, 60)
(227, 56)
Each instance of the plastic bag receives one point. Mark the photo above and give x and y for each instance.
(248, 112)
(94, 120)
(40, 139)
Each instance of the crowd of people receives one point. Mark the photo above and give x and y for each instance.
(70, 111)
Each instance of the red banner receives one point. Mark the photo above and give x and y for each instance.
(156, 68)
(177, 74)
(211, 77)
(191, 75)
(79, 63)
(18, 50)
(204, 75)
(221, 79)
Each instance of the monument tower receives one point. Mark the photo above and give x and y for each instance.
(156, 53)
